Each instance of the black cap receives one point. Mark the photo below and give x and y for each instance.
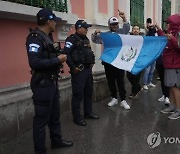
(46, 14)
(82, 23)
(149, 20)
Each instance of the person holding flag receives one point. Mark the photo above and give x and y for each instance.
(149, 71)
(134, 79)
(171, 61)
(113, 74)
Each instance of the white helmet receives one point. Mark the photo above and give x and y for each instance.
(113, 20)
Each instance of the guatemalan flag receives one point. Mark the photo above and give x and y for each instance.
(131, 52)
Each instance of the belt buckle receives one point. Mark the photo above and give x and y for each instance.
(81, 67)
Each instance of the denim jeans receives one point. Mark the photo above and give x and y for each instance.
(148, 73)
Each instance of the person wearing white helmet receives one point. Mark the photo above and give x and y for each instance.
(113, 74)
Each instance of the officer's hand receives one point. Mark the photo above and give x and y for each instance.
(62, 58)
(76, 70)
(97, 32)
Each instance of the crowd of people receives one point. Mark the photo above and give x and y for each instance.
(45, 63)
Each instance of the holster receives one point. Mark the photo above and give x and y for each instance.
(36, 79)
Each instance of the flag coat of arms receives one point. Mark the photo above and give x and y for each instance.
(132, 53)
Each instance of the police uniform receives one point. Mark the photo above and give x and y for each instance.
(80, 55)
(45, 69)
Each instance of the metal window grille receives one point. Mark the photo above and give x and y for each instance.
(166, 12)
(137, 12)
(56, 5)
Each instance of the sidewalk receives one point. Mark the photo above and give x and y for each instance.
(118, 131)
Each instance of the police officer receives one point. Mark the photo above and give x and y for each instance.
(45, 63)
(80, 59)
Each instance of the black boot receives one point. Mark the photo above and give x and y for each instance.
(62, 144)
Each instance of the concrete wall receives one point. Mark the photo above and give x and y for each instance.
(77, 7)
(175, 6)
(16, 19)
(16, 106)
(14, 67)
(17, 110)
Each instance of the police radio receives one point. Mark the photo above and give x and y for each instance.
(58, 50)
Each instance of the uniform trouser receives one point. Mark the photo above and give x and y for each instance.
(134, 80)
(47, 112)
(114, 75)
(160, 70)
(82, 87)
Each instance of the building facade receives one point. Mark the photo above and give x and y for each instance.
(17, 18)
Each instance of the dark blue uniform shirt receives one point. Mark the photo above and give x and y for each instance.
(70, 46)
(38, 55)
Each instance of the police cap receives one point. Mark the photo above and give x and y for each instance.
(46, 14)
(82, 23)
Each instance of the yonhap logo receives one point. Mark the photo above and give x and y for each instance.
(154, 140)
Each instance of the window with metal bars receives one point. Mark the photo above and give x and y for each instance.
(56, 5)
(166, 12)
(137, 12)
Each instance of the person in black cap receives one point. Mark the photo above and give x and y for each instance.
(150, 28)
(149, 71)
(45, 62)
(80, 59)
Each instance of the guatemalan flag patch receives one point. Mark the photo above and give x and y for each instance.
(33, 47)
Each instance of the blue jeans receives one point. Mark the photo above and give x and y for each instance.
(148, 73)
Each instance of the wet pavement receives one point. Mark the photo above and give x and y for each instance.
(118, 131)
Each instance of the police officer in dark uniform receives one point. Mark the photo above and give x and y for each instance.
(80, 59)
(45, 62)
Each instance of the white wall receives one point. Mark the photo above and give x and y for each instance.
(175, 6)
(148, 9)
(124, 6)
(158, 13)
(99, 21)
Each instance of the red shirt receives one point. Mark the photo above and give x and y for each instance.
(171, 54)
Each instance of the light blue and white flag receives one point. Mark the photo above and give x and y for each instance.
(131, 52)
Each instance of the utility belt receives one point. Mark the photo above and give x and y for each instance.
(46, 76)
(51, 76)
(83, 66)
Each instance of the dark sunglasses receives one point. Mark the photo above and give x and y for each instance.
(114, 24)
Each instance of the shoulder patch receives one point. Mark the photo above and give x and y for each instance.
(33, 47)
(68, 45)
